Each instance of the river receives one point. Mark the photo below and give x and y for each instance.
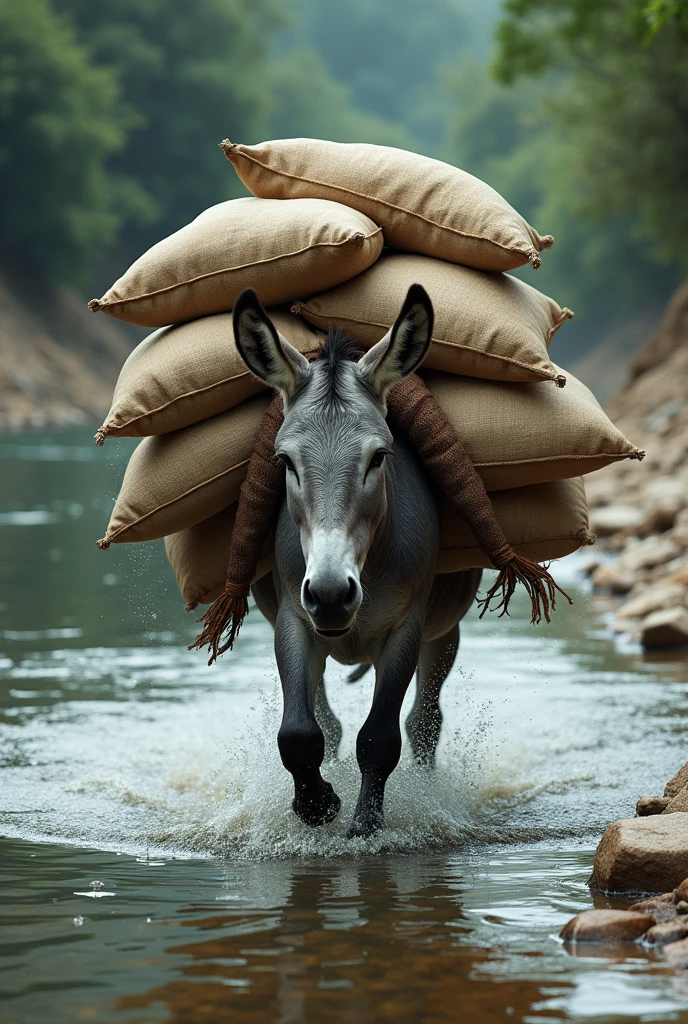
(125, 760)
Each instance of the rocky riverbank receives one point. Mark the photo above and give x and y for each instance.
(639, 511)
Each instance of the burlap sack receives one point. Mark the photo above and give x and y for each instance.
(196, 556)
(423, 205)
(486, 325)
(175, 480)
(542, 522)
(189, 372)
(283, 250)
(521, 434)
(516, 434)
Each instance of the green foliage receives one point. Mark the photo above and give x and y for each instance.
(308, 102)
(623, 103)
(195, 73)
(60, 120)
(390, 55)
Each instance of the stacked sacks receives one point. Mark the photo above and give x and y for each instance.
(312, 241)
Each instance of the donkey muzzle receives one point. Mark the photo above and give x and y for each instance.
(331, 603)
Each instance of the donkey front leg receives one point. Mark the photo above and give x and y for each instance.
(378, 746)
(301, 662)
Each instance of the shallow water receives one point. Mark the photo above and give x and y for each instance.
(123, 758)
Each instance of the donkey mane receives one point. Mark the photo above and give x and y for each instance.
(338, 349)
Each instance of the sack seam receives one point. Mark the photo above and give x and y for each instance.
(440, 341)
(517, 543)
(390, 206)
(556, 458)
(231, 270)
(123, 529)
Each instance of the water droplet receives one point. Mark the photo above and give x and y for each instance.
(96, 885)
(78, 921)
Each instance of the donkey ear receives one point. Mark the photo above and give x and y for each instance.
(265, 351)
(404, 347)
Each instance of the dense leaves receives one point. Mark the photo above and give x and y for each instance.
(60, 119)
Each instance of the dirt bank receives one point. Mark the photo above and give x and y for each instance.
(58, 362)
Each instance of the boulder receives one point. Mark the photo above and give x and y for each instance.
(667, 931)
(677, 782)
(606, 926)
(642, 854)
(646, 554)
(663, 594)
(661, 907)
(613, 577)
(677, 803)
(676, 953)
(667, 627)
(651, 805)
(681, 893)
(611, 519)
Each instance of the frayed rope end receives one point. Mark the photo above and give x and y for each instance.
(103, 544)
(100, 436)
(225, 615)
(535, 578)
(94, 305)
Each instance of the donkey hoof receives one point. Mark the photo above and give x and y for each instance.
(319, 811)
(366, 825)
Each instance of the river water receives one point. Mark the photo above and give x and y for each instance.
(125, 760)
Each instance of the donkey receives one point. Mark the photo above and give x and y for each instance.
(356, 545)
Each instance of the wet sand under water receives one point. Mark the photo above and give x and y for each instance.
(123, 758)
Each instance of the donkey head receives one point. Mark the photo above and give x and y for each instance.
(334, 443)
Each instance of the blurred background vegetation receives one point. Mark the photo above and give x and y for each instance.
(576, 110)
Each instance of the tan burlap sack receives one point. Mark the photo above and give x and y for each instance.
(486, 325)
(283, 250)
(175, 480)
(516, 434)
(521, 434)
(189, 372)
(542, 522)
(196, 554)
(423, 205)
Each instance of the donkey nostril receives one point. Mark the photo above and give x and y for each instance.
(352, 594)
(308, 598)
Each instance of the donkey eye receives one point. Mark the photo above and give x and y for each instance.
(377, 460)
(287, 462)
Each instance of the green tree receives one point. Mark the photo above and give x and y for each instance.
(308, 102)
(194, 73)
(61, 118)
(622, 100)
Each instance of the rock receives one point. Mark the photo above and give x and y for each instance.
(682, 907)
(606, 926)
(610, 519)
(667, 931)
(676, 953)
(648, 553)
(680, 894)
(613, 577)
(678, 802)
(677, 782)
(651, 805)
(658, 595)
(667, 627)
(642, 854)
(660, 907)
(680, 531)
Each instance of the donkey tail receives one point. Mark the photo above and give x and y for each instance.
(357, 673)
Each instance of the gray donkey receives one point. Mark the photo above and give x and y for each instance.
(355, 553)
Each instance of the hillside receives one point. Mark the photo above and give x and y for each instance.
(58, 362)
(640, 511)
